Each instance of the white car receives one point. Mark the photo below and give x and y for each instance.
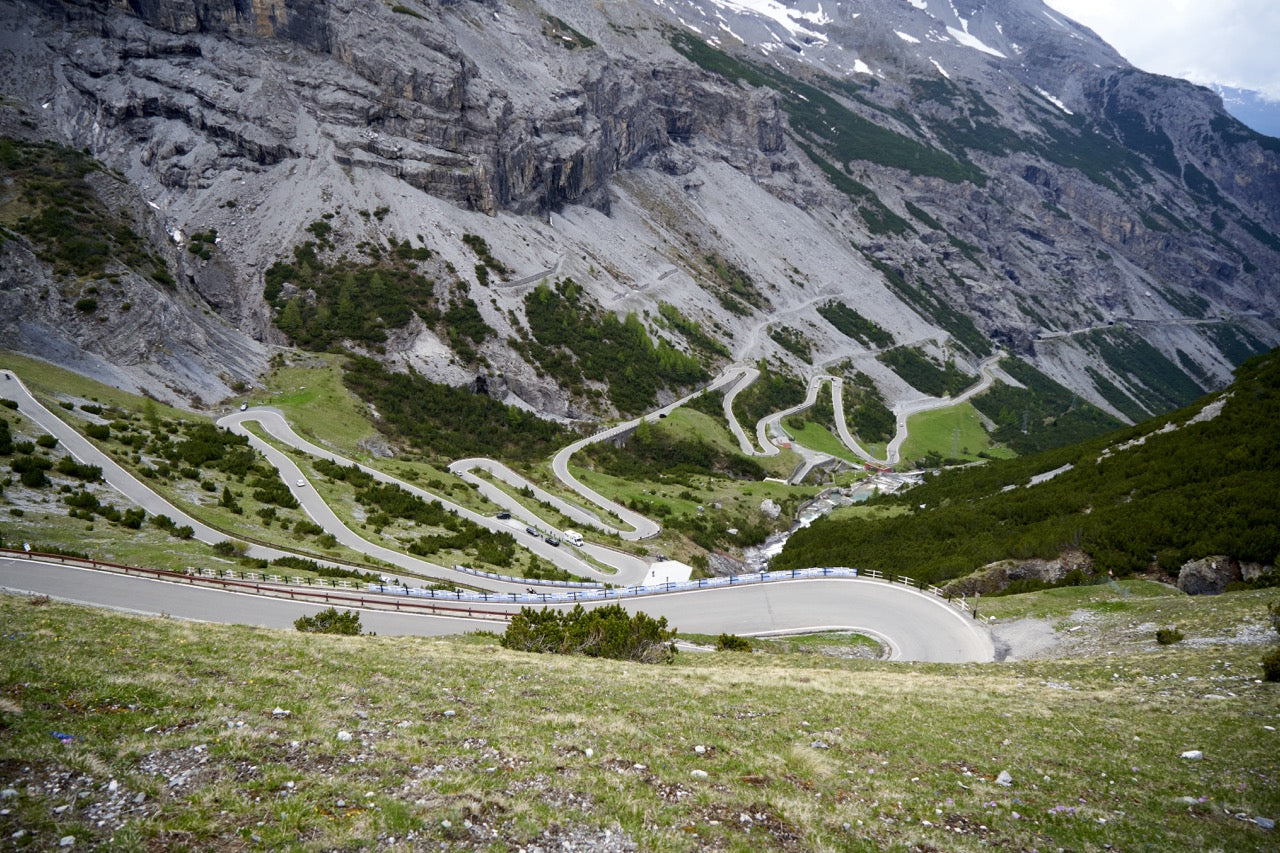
(301, 483)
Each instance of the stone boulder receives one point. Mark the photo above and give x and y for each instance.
(1207, 576)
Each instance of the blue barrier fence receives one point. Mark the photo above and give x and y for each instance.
(525, 581)
(596, 593)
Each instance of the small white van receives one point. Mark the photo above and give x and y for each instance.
(573, 537)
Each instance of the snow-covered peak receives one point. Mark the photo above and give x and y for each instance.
(959, 39)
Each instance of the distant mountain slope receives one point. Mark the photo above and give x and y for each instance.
(960, 175)
(1252, 108)
(1201, 482)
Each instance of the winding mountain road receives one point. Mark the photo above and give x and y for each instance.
(913, 625)
(769, 430)
(273, 423)
(903, 411)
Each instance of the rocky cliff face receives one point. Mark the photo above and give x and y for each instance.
(993, 172)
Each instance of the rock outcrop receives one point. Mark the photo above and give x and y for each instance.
(1021, 184)
(998, 576)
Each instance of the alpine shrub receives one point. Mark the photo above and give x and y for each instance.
(732, 643)
(330, 621)
(606, 632)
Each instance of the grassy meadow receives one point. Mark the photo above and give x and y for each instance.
(141, 733)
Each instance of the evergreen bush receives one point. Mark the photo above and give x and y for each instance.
(607, 632)
(330, 621)
(732, 643)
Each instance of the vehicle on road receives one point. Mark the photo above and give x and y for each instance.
(573, 537)
(532, 531)
(244, 407)
(301, 482)
(503, 516)
(552, 541)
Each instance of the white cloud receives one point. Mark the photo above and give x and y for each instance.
(1232, 42)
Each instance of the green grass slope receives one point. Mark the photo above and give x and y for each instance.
(140, 733)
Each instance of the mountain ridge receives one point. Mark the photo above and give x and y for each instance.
(938, 198)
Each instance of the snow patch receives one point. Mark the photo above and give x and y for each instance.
(790, 19)
(972, 41)
(907, 37)
(861, 67)
(941, 70)
(1055, 20)
(1051, 99)
(725, 27)
(920, 4)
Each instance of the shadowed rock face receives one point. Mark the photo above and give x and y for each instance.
(393, 92)
(1090, 192)
(304, 22)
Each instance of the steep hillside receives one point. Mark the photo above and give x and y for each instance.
(720, 171)
(1202, 482)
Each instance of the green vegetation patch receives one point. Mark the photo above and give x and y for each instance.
(771, 392)
(444, 422)
(576, 343)
(793, 341)
(1041, 415)
(865, 411)
(488, 263)
(692, 331)
(319, 303)
(922, 297)
(602, 632)
(1236, 342)
(563, 34)
(853, 325)
(734, 287)
(46, 196)
(947, 436)
(656, 454)
(1155, 382)
(923, 373)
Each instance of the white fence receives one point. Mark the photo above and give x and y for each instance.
(261, 577)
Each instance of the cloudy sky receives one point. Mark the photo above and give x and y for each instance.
(1230, 42)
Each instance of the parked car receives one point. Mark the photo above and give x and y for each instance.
(552, 541)
(532, 531)
(504, 515)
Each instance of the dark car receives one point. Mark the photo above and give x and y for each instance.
(504, 515)
(532, 531)
(553, 541)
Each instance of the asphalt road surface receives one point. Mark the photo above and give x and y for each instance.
(914, 626)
